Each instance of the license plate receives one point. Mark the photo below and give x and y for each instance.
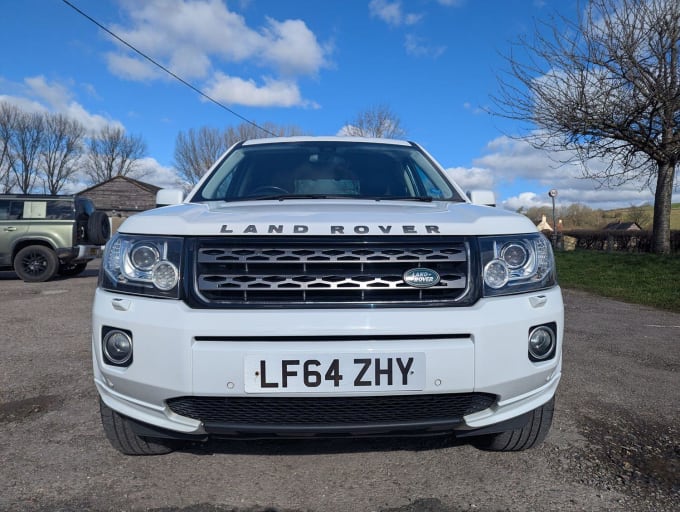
(290, 372)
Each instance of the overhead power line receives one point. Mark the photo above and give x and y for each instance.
(159, 65)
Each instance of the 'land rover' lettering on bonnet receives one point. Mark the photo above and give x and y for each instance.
(300, 229)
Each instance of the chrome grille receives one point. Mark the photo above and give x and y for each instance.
(285, 271)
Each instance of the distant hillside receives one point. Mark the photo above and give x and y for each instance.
(630, 214)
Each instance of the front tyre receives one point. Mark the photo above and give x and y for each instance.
(122, 437)
(531, 434)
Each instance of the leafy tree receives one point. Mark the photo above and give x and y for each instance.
(606, 87)
(376, 121)
(111, 152)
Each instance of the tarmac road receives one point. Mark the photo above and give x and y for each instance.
(613, 446)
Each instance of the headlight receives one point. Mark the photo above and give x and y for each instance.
(142, 265)
(516, 264)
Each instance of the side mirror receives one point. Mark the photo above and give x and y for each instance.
(482, 197)
(169, 196)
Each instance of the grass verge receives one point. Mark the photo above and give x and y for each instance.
(646, 279)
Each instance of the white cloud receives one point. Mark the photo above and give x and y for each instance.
(273, 93)
(36, 94)
(525, 200)
(25, 104)
(346, 130)
(197, 39)
(39, 95)
(156, 174)
(292, 48)
(472, 178)
(392, 13)
(417, 47)
(471, 108)
(512, 161)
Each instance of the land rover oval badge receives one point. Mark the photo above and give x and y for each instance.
(421, 277)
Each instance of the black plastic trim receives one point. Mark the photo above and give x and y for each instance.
(380, 337)
(344, 430)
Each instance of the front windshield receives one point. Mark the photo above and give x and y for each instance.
(326, 169)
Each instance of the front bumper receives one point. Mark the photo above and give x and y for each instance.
(182, 352)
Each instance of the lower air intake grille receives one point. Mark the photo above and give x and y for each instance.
(321, 411)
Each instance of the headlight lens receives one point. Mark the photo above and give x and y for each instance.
(516, 264)
(144, 256)
(142, 265)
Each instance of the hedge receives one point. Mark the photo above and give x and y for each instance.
(624, 241)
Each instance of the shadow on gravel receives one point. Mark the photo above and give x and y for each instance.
(316, 446)
(638, 458)
(28, 408)
(419, 505)
(8, 275)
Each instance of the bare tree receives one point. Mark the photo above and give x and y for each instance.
(62, 147)
(377, 121)
(247, 131)
(8, 116)
(574, 216)
(26, 143)
(196, 151)
(112, 153)
(639, 214)
(606, 87)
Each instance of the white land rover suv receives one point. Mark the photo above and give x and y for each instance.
(327, 287)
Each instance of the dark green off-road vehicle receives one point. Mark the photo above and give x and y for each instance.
(43, 236)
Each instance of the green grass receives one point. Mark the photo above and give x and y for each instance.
(646, 279)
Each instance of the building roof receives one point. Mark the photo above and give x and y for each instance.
(623, 226)
(544, 225)
(148, 187)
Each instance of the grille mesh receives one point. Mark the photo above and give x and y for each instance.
(295, 272)
(322, 411)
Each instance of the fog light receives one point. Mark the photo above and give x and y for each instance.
(542, 341)
(117, 347)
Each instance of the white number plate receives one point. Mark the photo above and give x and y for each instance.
(291, 372)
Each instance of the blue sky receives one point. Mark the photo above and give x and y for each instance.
(313, 64)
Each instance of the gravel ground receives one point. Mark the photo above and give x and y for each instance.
(613, 446)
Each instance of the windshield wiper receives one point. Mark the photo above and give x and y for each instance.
(281, 197)
(424, 199)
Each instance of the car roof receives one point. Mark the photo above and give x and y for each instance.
(329, 138)
(37, 196)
